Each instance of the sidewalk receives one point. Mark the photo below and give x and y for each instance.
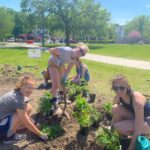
(17, 44)
(119, 61)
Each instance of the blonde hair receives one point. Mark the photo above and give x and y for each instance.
(23, 80)
(83, 46)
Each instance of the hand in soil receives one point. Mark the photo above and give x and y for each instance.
(68, 102)
(43, 136)
(67, 115)
(58, 112)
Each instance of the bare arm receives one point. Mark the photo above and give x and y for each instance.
(69, 67)
(54, 52)
(138, 103)
(84, 68)
(27, 122)
(116, 100)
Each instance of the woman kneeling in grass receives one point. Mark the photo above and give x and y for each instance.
(15, 112)
(130, 116)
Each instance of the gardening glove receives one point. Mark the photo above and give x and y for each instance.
(43, 136)
(60, 62)
(64, 80)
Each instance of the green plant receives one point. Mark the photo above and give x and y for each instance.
(76, 89)
(95, 115)
(52, 131)
(44, 104)
(107, 107)
(108, 138)
(82, 112)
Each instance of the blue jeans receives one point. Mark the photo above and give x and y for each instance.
(5, 127)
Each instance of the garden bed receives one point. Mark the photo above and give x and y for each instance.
(69, 139)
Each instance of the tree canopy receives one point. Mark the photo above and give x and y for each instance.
(6, 23)
(76, 17)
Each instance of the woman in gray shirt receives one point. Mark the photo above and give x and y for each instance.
(15, 112)
(57, 71)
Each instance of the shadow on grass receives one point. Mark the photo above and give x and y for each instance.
(94, 47)
(14, 48)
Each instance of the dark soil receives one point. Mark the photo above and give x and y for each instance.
(70, 140)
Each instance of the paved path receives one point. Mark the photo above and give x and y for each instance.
(119, 61)
(16, 44)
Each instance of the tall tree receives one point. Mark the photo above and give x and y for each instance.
(74, 14)
(39, 9)
(141, 24)
(6, 23)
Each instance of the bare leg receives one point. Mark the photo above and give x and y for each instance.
(126, 127)
(54, 73)
(120, 113)
(16, 124)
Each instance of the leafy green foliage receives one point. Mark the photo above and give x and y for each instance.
(7, 24)
(95, 115)
(107, 107)
(44, 104)
(108, 138)
(76, 89)
(82, 112)
(52, 131)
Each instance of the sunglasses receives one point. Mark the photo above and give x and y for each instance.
(82, 52)
(121, 88)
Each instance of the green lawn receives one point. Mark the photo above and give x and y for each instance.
(101, 74)
(122, 50)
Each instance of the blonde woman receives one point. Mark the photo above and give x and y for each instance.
(15, 112)
(131, 115)
(60, 56)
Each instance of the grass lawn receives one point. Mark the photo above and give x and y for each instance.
(131, 51)
(101, 74)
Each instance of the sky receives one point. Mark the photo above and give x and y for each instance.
(122, 11)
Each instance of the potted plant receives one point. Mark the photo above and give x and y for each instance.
(82, 115)
(92, 97)
(124, 142)
(96, 117)
(108, 138)
(44, 104)
(107, 110)
(52, 131)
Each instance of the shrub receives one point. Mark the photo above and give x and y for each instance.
(82, 112)
(52, 131)
(108, 138)
(44, 104)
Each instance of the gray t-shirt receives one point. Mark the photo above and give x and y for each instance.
(9, 102)
(65, 56)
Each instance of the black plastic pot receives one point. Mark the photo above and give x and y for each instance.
(19, 67)
(109, 116)
(96, 124)
(92, 97)
(124, 142)
(84, 131)
(73, 97)
(85, 93)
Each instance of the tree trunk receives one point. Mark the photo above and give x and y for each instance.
(67, 32)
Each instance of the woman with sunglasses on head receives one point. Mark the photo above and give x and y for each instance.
(130, 116)
(15, 112)
(60, 56)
